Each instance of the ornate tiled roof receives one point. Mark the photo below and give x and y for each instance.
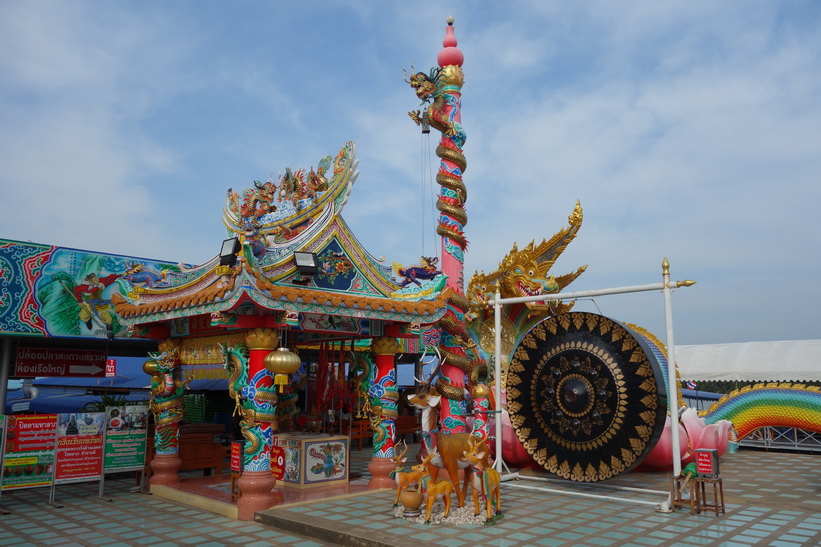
(225, 292)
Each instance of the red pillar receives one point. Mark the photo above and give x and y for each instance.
(257, 482)
(384, 387)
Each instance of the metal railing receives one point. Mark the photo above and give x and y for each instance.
(783, 438)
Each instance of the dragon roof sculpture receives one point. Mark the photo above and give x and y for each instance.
(301, 211)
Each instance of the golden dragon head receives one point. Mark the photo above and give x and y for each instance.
(526, 272)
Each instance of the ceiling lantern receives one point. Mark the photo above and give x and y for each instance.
(281, 363)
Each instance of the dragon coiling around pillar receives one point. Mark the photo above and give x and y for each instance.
(382, 392)
(442, 88)
(167, 388)
(254, 402)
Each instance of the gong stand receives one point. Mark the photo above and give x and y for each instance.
(576, 385)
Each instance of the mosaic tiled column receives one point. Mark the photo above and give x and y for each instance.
(167, 389)
(258, 424)
(442, 88)
(481, 410)
(384, 394)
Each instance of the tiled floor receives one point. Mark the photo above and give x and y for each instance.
(771, 499)
(130, 519)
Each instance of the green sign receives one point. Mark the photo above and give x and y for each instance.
(125, 438)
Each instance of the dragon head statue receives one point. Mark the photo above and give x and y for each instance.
(423, 84)
(526, 272)
(525, 275)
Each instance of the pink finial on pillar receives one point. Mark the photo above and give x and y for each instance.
(450, 54)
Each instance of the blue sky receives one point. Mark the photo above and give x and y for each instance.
(688, 130)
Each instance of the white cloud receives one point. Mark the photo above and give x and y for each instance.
(686, 130)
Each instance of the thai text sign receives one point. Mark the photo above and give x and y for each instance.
(278, 462)
(79, 447)
(34, 362)
(707, 462)
(236, 456)
(125, 438)
(29, 451)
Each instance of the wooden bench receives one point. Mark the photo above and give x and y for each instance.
(196, 448)
(357, 430)
(406, 425)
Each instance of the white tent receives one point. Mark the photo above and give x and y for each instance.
(785, 361)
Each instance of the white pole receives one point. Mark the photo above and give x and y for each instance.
(587, 294)
(498, 465)
(672, 391)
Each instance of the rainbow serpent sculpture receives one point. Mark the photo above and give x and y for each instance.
(776, 404)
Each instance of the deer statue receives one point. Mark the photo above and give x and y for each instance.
(486, 480)
(449, 448)
(403, 478)
(432, 488)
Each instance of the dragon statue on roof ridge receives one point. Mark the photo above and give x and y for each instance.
(274, 213)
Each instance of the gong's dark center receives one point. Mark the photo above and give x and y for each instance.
(575, 393)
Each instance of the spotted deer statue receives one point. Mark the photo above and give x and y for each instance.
(403, 478)
(432, 488)
(486, 481)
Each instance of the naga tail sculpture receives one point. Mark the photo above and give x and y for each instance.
(442, 88)
(774, 404)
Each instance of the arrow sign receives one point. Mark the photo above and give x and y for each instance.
(81, 370)
(56, 362)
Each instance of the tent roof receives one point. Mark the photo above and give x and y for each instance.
(60, 404)
(130, 375)
(784, 361)
(702, 395)
(71, 403)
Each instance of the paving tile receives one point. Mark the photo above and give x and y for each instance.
(772, 516)
(550, 541)
(601, 541)
(648, 541)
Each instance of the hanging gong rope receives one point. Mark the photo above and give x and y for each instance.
(428, 212)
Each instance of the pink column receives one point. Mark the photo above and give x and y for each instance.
(383, 388)
(453, 217)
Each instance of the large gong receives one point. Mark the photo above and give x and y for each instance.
(586, 396)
